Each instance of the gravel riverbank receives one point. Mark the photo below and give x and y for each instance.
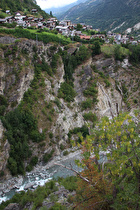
(39, 176)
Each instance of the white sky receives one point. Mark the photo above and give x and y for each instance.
(44, 4)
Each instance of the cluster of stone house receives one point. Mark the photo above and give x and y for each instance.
(23, 20)
(119, 38)
(65, 27)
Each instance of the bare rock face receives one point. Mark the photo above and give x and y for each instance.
(4, 155)
(25, 84)
(2, 84)
(109, 99)
(4, 151)
(71, 116)
(1, 130)
(109, 102)
(17, 72)
(60, 77)
(13, 206)
(67, 120)
(7, 40)
(105, 63)
(82, 74)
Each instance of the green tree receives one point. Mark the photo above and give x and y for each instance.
(117, 53)
(111, 40)
(115, 145)
(21, 126)
(134, 55)
(51, 14)
(67, 92)
(3, 104)
(96, 48)
(12, 165)
(79, 27)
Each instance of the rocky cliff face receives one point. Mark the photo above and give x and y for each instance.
(16, 74)
(57, 117)
(16, 68)
(4, 151)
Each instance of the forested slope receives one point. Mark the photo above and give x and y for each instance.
(106, 14)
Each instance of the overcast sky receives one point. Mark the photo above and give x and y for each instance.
(53, 3)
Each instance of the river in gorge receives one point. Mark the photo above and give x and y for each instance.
(40, 175)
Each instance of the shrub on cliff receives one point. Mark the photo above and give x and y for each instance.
(66, 92)
(21, 126)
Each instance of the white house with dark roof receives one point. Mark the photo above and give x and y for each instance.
(62, 24)
(8, 12)
(10, 19)
(62, 29)
(22, 23)
(30, 18)
(67, 22)
(49, 23)
(53, 19)
(78, 33)
(3, 20)
(18, 16)
(34, 10)
(36, 19)
(40, 25)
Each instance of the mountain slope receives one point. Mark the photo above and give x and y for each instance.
(58, 12)
(21, 5)
(106, 14)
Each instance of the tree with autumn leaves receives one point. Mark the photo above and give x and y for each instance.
(111, 162)
(95, 193)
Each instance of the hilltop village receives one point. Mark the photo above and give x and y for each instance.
(65, 27)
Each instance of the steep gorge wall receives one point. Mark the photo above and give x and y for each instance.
(16, 75)
(16, 67)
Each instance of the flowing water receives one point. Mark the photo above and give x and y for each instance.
(43, 174)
